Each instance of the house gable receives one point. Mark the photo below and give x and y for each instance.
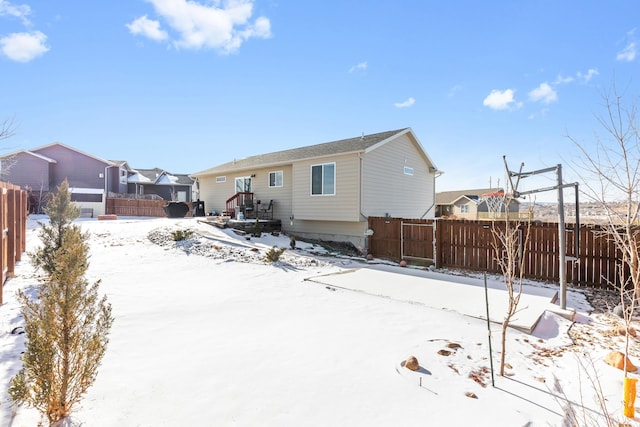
(81, 170)
(398, 179)
(27, 169)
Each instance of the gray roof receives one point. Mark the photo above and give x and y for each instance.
(121, 163)
(155, 176)
(360, 143)
(29, 153)
(450, 197)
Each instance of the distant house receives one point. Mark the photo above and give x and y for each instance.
(327, 191)
(43, 169)
(470, 204)
(168, 186)
(91, 179)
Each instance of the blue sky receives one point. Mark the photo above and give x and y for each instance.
(187, 85)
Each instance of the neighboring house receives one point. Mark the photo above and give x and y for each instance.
(175, 187)
(471, 204)
(91, 179)
(328, 191)
(43, 169)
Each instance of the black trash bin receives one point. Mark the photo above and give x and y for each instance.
(176, 209)
(198, 208)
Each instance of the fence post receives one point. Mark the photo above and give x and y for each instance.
(438, 243)
(21, 229)
(11, 231)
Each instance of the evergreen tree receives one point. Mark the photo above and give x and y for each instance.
(61, 212)
(67, 326)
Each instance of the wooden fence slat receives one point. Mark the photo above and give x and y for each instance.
(13, 219)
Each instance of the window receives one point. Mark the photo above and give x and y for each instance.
(408, 170)
(86, 197)
(323, 179)
(123, 176)
(221, 179)
(275, 179)
(464, 208)
(243, 184)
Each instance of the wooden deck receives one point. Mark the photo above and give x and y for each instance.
(246, 225)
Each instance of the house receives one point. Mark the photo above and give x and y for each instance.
(91, 179)
(43, 169)
(327, 191)
(472, 204)
(168, 186)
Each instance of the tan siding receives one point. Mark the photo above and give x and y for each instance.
(343, 206)
(386, 188)
(215, 194)
(281, 196)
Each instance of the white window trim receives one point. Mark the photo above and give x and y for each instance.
(244, 178)
(281, 181)
(221, 179)
(408, 170)
(123, 176)
(335, 179)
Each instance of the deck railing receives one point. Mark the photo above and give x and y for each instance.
(238, 201)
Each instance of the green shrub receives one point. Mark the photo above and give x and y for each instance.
(257, 229)
(273, 254)
(179, 235)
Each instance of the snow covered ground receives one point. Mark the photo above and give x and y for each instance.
(208, 333)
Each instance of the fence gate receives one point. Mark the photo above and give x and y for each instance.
(417, 241)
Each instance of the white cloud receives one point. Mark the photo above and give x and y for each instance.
(543, 93)
(358, 67)
(501, 100)
(23, 47)
(629, 52)
(211, 26)
(563, 80)
(408, 103)
(19, 11)
(148, 28)
(454, 90)
(591, 72)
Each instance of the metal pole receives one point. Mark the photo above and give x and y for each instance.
(486, 299)
(577, 236)
(561, 242)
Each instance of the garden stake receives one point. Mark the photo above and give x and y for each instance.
(629, 390)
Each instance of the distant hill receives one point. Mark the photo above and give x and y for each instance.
(590, 213)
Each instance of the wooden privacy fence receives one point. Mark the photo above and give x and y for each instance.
(138, 207)
(466, 244)
(13, 222)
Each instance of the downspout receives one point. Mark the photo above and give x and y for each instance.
(104, 197)
(360, 189)
(362, 215)
(437, 173)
